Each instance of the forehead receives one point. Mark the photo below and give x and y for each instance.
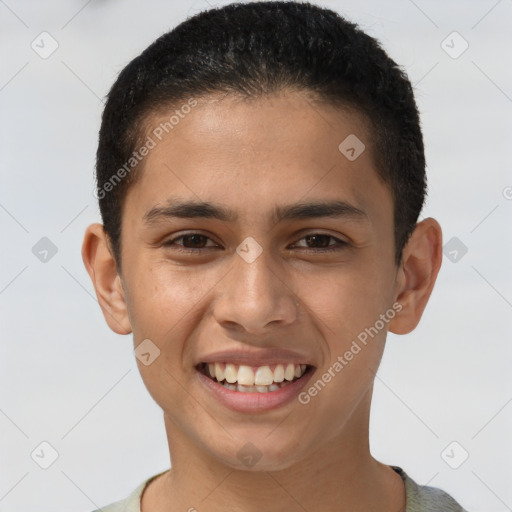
(254, 155)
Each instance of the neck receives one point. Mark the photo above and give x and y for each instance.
(339, 476)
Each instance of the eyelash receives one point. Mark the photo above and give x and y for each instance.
(341, 244)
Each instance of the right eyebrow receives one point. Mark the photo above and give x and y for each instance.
(188, 210)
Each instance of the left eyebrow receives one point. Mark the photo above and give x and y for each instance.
(206, 210)
(333, 209)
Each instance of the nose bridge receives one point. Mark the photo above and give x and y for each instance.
(253, 270)
(253, 295)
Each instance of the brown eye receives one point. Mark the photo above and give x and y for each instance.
(194, 241)
(318, 241)
(321, 243)
(191, 242)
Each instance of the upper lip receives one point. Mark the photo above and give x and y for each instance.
(259, 357)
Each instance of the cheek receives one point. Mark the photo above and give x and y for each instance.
(345, 300)
(165, 305)
(162, 298)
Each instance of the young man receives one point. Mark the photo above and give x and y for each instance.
(260, 175)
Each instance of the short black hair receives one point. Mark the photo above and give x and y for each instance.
(255, 49)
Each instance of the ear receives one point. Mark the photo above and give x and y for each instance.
(101, 266)
(421, 261)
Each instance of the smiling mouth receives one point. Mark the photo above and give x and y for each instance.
(254, 379)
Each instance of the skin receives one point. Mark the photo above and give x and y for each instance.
(251, 156)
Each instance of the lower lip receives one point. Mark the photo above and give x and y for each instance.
(255, 402)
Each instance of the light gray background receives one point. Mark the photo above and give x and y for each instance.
(68, 380)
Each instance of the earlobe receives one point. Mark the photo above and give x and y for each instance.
(101, 266)
(422, 258)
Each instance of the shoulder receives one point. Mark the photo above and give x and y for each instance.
(132, 502)
(426, 499)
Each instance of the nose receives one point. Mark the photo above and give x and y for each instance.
(255, 296)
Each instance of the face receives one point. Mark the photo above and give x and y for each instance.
(253, 247)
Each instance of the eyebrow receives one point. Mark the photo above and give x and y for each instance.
(202, 209)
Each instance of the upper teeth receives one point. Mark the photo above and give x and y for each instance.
(259, 376)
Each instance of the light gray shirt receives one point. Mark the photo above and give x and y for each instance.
(418, 498)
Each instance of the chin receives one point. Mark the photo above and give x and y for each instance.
(258, 455)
